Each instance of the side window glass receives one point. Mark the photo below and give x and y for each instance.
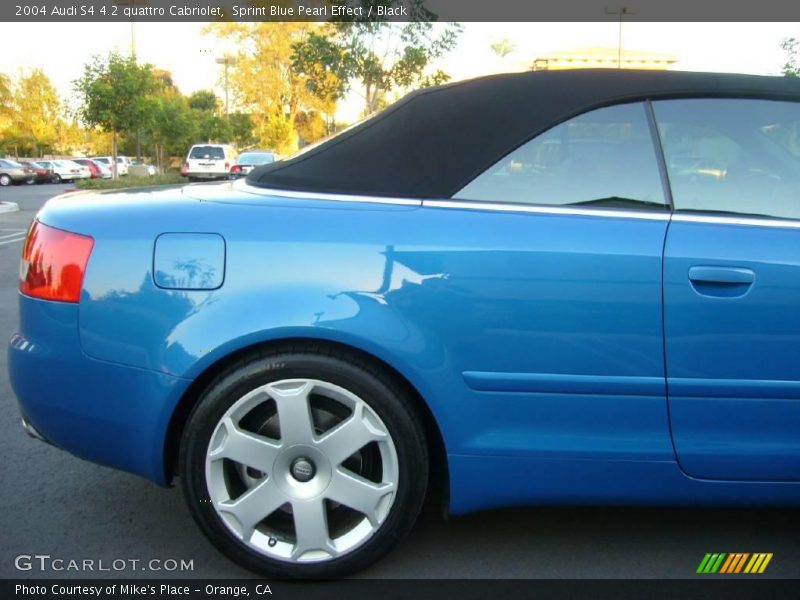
(601, 158)
(732, 156)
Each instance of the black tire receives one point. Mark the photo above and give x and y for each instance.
(341, 368)
(56, 178)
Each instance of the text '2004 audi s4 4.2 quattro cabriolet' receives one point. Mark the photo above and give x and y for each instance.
(538, 288)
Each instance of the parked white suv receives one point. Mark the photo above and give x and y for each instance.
(209, 161)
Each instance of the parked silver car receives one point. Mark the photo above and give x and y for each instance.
(13, 172)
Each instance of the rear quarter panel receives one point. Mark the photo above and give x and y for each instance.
(402, 283)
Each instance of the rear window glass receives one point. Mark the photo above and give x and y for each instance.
(212, 152)
(604, 158)
(256, 158)
(726, 155)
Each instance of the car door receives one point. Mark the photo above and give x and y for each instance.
(57, 170)
(732, 286)
(553, 300)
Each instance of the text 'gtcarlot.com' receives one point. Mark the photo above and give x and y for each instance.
(46, 562)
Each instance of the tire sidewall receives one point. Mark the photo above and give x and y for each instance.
(5, 180)
(398, 417)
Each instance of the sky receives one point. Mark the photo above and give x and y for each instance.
(62, 49)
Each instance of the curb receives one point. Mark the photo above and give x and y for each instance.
(8, 207)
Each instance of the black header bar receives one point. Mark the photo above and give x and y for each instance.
(104, 11)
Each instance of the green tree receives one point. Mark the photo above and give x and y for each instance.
(211, 126)
(163, 80)
(71, 138)
(311, 126)
(6, 110)
(37, 113)
(174, 127)
(383, 56)
(6, 95)
(241, 129)
(117, 95)
(324, 65)
(792, 66)
(263, 81)
(204, 100)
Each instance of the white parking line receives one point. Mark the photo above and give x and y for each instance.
(16, 233)
(21, 238)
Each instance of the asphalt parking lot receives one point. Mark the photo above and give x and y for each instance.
(57, 505)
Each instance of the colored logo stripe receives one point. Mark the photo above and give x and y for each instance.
(710, 563)
(734, 562)
(758, 563)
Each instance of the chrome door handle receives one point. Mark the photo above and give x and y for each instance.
(729, 275)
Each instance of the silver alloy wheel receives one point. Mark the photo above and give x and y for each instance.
(307, 475)
(5, 180)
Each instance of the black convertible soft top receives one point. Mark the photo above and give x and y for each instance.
(436, 140)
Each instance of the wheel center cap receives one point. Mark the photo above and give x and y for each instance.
(303, 469)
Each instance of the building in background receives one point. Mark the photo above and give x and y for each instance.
(598, 57)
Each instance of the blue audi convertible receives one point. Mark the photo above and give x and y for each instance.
(540, 288)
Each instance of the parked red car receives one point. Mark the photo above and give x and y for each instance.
(93, 168)
(43, 174)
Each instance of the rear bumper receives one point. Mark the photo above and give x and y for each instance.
(207, 174)
(32, 431)
(106, 413)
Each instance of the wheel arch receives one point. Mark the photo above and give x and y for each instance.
(439, 485)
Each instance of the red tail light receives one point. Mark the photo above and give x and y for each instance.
(185, 168)
(53, 263)
(236, 168)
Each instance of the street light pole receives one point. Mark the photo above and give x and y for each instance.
(227, 61)
(133, 39)
(132, 4)
(133, 56)
(621, 11)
